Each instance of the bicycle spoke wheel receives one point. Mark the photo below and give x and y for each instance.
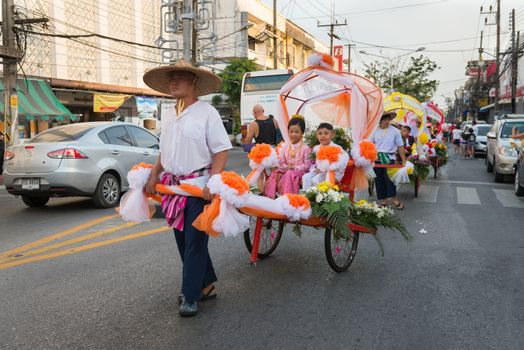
(340, 252)
(269, 236)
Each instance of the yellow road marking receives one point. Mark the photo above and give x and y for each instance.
(68, 242)
(82, 248)
(56, 236)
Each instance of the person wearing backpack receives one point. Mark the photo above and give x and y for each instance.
(470, 138)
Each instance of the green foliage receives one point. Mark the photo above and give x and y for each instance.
(413, 80)
(217, 100)
(421, 170)
(232, 78)
(341, 138)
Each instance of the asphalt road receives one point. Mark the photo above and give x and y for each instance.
(459, 285)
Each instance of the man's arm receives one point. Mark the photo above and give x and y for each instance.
(154, 178)
(515, 133)
(251, 132)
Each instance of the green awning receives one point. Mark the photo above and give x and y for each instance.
(36, 100)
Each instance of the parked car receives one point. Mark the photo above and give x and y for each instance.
(482, 140)
(519, 175)
(85, 159)
(500, 156)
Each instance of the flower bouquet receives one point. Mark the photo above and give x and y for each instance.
(372, 215)
(336, 210)
(442, 153)
(422, 165)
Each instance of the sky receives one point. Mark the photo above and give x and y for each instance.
(448, 29)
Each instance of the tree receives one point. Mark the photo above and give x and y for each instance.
(413, 80)
(232, 83)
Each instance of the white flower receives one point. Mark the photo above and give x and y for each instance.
(423, 231)
(319, 198)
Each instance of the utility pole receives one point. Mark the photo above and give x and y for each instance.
(275, 41)
(497, 72)
(497, 56)
(334, 23)
(194, 35)
(187, 28)
(481, 49)
(10, 55)
(514, 64)
(349, 57)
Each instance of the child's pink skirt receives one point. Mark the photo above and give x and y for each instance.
(289, 182)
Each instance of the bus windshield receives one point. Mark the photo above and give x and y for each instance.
(265, 83)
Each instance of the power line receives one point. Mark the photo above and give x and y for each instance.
(386, 9)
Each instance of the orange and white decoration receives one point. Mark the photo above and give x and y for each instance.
(226, 214)
(343, 99)
(261, 157)
(331, 159)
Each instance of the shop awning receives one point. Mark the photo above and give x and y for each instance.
(36, 100)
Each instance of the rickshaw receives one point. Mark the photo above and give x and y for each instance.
(406, 107)
(345, 100)
(435, 115)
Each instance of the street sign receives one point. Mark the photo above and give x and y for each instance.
(338, 54)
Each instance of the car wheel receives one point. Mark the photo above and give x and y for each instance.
(107, 193)
(35, 202)
(519, 190)
(496, 175)
(489, 166)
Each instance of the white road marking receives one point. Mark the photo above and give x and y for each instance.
(508, 199)
(469, 183)
(468, 195)
(427, 194)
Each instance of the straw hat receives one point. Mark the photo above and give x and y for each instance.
(159, 78)
(391, 115)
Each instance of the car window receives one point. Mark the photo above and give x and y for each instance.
(66, 133)
(143, 138)
(117, 135)
(482, 130)
(103, 137)
(505, 131)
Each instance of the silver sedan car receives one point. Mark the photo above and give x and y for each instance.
(86, 159)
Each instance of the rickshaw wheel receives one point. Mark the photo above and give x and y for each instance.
(340, 252)
(269, 237)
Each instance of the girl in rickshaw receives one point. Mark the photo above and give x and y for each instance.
(293, 161)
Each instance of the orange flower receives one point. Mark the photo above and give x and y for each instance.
(233, 180)
(368, 150)
(328, 59)
(329, 153)
(297, 200)
(259, 153)
(142, 165)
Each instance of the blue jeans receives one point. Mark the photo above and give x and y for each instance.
(385, 187)
(197, 271)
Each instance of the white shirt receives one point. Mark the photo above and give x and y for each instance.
(457, 134)
(188, 143)
(387, 140)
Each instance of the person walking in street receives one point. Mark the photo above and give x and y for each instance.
(193, 146)
(263, 129)
(388, 141)
(456, 135)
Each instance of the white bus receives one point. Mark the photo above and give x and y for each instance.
(261, 87)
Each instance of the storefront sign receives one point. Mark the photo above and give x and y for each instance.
(106, 103)
(338, 54)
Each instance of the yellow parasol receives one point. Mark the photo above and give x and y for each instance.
(402, 104)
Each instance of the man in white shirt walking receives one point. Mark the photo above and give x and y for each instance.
(388, 140)
(193, 146)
